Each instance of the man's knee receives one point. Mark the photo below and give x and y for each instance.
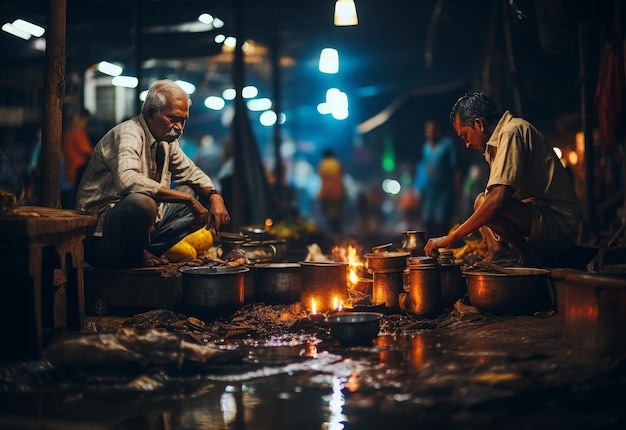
(139, 205)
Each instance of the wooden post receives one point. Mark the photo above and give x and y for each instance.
(586, 97)
(52, 127)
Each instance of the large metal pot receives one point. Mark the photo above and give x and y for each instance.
(277, 283)
(520, 291)
(212, 291)
(325, 283)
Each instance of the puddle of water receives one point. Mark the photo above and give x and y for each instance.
(418, 379)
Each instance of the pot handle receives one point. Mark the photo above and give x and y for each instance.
(403, 301)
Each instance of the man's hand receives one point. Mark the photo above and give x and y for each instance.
(201, 214)
(218, 215)
(432, 246)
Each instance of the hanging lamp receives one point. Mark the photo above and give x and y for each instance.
(329, 61)
(345, 13)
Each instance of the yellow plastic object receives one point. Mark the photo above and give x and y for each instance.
(201, 240)
(180, 252)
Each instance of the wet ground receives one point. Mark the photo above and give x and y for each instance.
(464, 369)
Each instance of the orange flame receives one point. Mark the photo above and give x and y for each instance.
(337, 304)
(313, 307)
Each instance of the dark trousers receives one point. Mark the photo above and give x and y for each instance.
(129, 229)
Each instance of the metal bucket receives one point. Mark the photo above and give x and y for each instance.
(277, 283)
(212, 291)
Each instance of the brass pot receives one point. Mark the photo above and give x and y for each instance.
(424, 296)
(386, 261)
(520, 291)
(414, 242)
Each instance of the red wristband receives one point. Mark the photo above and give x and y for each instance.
(214, 191)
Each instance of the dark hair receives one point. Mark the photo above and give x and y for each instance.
(472, 106)
(327, 152)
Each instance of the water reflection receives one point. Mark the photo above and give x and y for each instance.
(417, 350)
(228, 404)
(336, 402)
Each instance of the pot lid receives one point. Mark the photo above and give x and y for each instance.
(422, 261)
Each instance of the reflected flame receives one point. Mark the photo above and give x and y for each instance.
(353, 383)
(417, 352)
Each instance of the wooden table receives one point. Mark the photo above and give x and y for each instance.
(42, 282)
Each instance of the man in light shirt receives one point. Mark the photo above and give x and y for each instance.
(530, 205)
(127, 184)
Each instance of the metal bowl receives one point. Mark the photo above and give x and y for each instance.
(520, 291)
(354, 328)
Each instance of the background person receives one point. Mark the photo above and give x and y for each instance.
(127, 184)
(530, 205)
(77, 149)
(332, 191)
(437, 181)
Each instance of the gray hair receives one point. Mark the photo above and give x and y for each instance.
(157, 95)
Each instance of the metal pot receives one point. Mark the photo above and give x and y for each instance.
(259, 251)
(424, 296)
(520, 291)
(230, 243)
(212, 291)
(277, 283)
(414, 242)
(324, 282)
(386, 261)
(354, 328)
(453, 284)
(256, 233)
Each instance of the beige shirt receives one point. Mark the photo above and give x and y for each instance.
(124, 162)
(519, 156)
